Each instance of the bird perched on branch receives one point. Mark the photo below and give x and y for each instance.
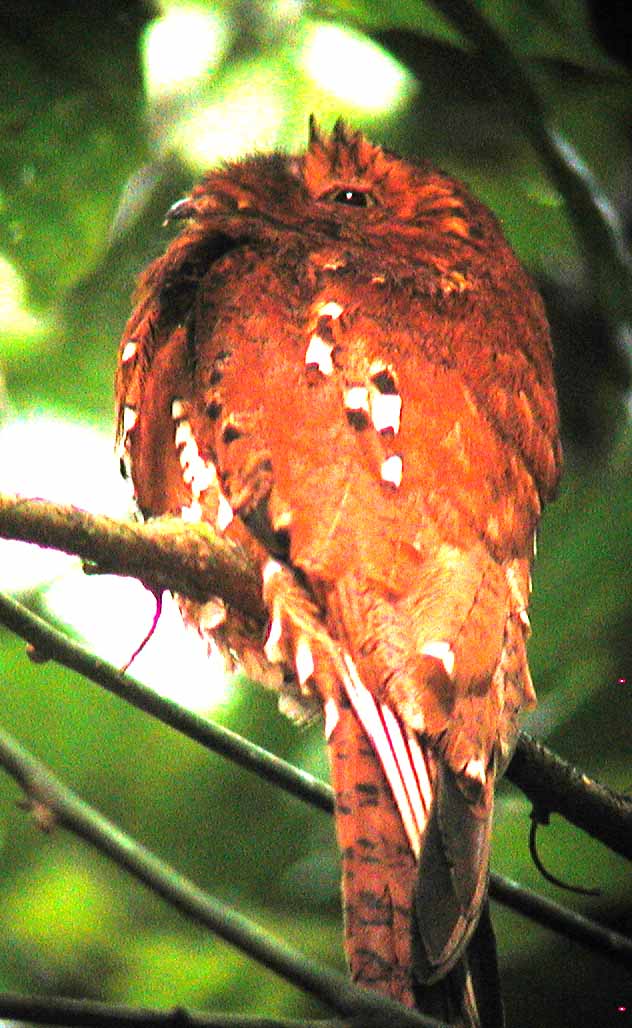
(340, 363)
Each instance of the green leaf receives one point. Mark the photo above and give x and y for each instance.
(70, 134)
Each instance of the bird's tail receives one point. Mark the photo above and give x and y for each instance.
(380, 871)
(378, 867)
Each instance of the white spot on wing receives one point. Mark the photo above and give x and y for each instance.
(225, 513)
(177, 410)
(184, 435)
(130, 417)
(211, 615)
(318, 354)
(519, 600)
(205, 477)
(304, 660)
(386, 409)
(331, 309)
(187, 474)
(475, 769)
(282, 520)
(192, 514)
(129, 352)
(189, 452)
(441, 651)
(270, 569)
(392, 470)
(357, 398)
(271, 646)
(197, 473)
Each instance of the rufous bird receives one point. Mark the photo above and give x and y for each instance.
(340, 363)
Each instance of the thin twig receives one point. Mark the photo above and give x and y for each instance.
(47, 793)
(84, 1013)
(272, 768)
(57, 1010)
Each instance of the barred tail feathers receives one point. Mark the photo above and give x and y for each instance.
(379, 868)
(385, 781)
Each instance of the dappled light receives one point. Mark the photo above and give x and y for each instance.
(354, 69)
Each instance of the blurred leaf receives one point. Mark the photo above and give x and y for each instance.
(164, 969)
(402, 14)
(553, 29)
(70, 117)
(57, 911)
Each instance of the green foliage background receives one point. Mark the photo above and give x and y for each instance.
(89, 161)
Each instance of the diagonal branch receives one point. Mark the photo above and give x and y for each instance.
(88, 1013)
(162, 554)
(271, 768)
(554, 785)
(52, 801)
(197, 562)
(50, 643)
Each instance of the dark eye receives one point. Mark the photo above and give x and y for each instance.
(351, 197)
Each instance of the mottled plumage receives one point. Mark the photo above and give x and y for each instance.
(341, 363)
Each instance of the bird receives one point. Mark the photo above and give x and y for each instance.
(339, 363)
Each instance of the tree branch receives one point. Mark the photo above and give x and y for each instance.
(567, 922)
(554, 785)
(163, 554)
(50, 643)
(84, 1013)
(193, 560)
(57, 646)
(53, 802)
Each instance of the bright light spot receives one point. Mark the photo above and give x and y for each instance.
(74, 463)
(113, 616)
(61, 461)
(286, 10)
(248, 118)
(182, 46)
(15, 318)
(357, 70)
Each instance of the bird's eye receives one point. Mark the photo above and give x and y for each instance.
(351, 197)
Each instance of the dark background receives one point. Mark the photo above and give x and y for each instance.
(107, 115)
